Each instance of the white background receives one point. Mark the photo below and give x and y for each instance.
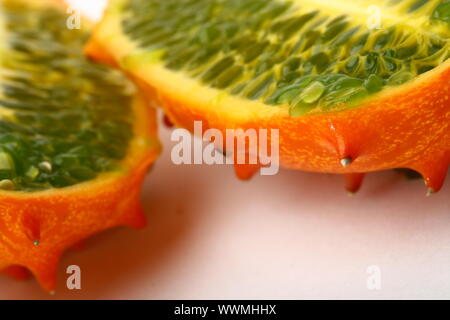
(293, 236)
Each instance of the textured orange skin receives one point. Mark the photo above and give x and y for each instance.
(36, 228)
(409, 128)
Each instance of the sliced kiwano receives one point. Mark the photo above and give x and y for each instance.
(75, 141)
(353, 86)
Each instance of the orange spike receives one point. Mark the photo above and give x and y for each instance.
(32, 228)
(17, 272)
(435, 180)
(342, 140)
(167, 122)
(45, 269)
(434, 172)
(246, 171)
(135, 219)
(80, 245)
(353, 181)
(133, 214)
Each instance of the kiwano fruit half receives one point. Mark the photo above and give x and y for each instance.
(75, 141)
(352, 86)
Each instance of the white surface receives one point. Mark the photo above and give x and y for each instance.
(92, 9)
(295, 236)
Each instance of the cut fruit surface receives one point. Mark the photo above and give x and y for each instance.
(352, 86)
(75, 140)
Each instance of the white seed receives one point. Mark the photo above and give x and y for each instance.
(6, 162)
(7, 184)
(45, 166)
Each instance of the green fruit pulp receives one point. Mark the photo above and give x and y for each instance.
(261, 49)
(63, 119)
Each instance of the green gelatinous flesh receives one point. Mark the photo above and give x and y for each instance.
(293, 53)
(442, 11)
(300, 108)
(63, 119)
(313, 92)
